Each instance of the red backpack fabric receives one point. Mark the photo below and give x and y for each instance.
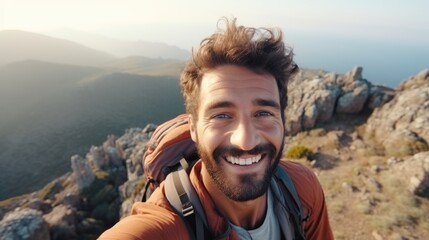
(169, 143)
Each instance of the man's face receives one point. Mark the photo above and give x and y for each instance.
(239, 131)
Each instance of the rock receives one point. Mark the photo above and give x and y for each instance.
(310, 100)
(133, 171)
(126, 206)
(378, 96)
(417, 81)
(71, 200)
(149, 128)
(354, 99)
(39, 205)
(355, 74)
(406, 115)
(96, 158)
(349, 187)
(62, 222)
(419, 180)
(113, 155)
(61, 214)
(24, 224)
(315, 97)
(393, 160)
(83, 173)
(415, 172)
(376, 168)
(376, 235)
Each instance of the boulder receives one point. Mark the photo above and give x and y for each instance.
(61, 214)
(354, 98)
(315, 97)
(62, 221)
(310, 101)
(24, 224)
(415, 172)
(82, 171)
(96, 158)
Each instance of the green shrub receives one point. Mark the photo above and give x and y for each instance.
(299, 151)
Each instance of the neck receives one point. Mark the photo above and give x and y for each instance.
(249, 214)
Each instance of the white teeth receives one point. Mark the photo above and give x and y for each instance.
(244, 161)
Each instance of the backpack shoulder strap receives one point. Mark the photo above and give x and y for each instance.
(292, 201)
(182, 196)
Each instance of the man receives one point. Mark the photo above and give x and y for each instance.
(235, 94)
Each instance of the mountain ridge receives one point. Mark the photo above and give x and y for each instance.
(16, 45)
(123, 48)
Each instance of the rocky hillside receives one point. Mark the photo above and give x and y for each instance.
(368, 145)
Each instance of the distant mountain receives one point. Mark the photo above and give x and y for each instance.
(18, 45)
(147, 66)
(50, 112)
(123, 48)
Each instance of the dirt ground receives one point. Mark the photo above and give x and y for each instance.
(364, 198)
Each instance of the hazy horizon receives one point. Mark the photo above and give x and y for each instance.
(388, 38)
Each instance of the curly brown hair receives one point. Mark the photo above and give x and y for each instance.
(260, 50)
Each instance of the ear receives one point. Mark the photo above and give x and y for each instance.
(192, 126)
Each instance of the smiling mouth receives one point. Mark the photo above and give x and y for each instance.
(244, 161)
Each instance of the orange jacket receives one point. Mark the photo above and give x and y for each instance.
(155, 219)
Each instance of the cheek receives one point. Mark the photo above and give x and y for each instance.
(209, 138)
(274, 133)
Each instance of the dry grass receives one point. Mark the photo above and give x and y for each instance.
(364, 197)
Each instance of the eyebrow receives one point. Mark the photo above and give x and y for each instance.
(257, 102)
(266, 103)
(222, 104)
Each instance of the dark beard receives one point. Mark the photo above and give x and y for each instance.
(248, 188)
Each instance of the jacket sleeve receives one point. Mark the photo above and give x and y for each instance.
(147, 221)
(312, 198)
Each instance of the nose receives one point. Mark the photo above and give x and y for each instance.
(245, 135)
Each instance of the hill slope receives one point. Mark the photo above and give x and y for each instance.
(52, 111)
(123, 48)
(19, 46)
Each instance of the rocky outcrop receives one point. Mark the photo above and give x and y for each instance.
(401, 125)
(25, 224)
(82, 172)
(316, 96)
(79, 205)
(420, 79)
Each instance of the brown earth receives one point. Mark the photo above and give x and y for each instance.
(366, 199)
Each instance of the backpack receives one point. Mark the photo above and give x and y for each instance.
(170, 155)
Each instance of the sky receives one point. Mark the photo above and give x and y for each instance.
(390, 39)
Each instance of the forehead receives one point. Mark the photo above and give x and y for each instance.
(235, 80)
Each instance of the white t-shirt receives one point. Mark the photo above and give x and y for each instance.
(269, 229)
